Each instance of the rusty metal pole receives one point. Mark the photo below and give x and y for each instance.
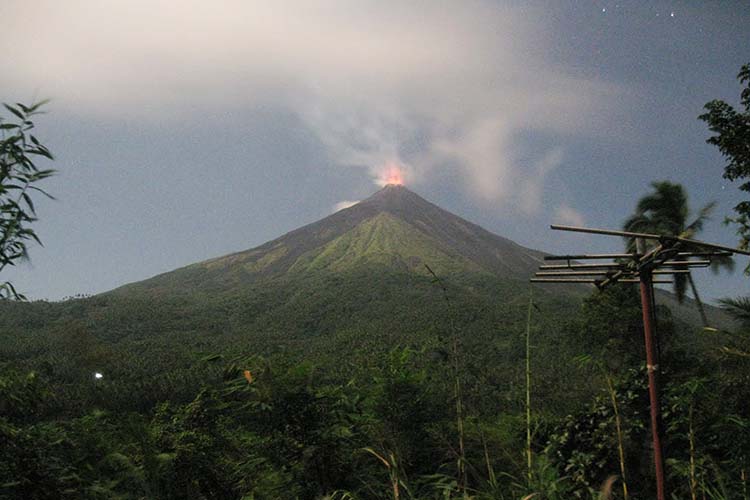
(653, 392)
(644, 263)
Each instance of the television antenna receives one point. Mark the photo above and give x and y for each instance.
(668, 256)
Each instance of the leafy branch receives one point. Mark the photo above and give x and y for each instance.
(19, 175)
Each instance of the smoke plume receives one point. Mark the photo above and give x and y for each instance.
(427, 86)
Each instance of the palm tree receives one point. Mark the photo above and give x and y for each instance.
(738, 308)
(666, 211)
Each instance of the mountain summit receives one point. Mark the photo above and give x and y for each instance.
(394, 228)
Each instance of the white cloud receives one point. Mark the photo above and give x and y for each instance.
(428, 85)
(344, 204)
(567, 215)
(532, 184)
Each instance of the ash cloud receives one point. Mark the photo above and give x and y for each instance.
(427, 85)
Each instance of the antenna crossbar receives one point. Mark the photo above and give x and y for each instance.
(649, 236)
(671, 255)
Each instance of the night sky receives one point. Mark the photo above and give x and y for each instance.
(187, 130)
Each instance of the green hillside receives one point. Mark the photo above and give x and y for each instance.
(350, 343)
(354, 284)
(387, 241)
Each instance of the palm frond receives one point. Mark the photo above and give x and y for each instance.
(665, 211)
(737, 307)
(637, 223)
(723, 263)
(704, 214)
(667, 206)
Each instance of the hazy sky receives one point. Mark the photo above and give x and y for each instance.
(185, 130)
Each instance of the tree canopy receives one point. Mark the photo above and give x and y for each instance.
(732, 136)
(19, 176)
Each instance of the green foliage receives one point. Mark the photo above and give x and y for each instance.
(585, 447)
(611, 322)
(276, 388)
(737, 343)
(665, 211)
(283, 427)
(739, 308)
(732, 136)
(19, 176)
(547, 483)
(23, 398)
(386, 240)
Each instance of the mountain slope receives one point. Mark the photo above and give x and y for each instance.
(342, 292)
(395, 228)
(334, 263)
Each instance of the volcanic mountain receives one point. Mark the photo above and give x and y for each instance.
(363, 266)
(394, 229)
(342, 292)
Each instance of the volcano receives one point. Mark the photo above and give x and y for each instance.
(365, 265)
(394, 229)
(343, 293)
(367, 268)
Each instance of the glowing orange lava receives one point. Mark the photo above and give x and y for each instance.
(392, 174)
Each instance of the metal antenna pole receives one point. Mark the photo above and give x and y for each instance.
(669, 255)
(652, 367)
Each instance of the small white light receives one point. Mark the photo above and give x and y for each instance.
(98, 375)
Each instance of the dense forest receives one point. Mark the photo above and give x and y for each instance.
(379, 383)
(352, 414)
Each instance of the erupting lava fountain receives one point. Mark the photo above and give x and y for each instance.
(391, 173)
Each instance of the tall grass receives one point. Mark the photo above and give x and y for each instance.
(457, 394)
(394, 472)
(618, 428)
(528, 386)
(588, 360)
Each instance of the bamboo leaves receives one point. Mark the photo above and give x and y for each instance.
(19, 175)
